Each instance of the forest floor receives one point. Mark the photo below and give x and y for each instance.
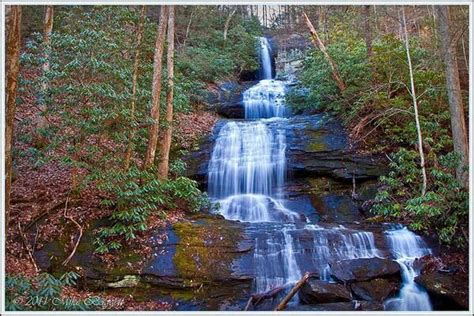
(43, 193)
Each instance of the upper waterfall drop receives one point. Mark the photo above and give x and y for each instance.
(266, 99)
(265, 58)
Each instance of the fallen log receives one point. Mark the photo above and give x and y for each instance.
(256, 299)
(293, 291)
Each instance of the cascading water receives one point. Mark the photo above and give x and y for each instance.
(246, 177)
(265, 99)
(406, 247)
(265, 59)
(247, 171)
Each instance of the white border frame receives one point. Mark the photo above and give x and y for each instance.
(232, 2)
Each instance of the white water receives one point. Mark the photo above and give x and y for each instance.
(265, 99)
(406, 247)
(265, 58)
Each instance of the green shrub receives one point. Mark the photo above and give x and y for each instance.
(135, 194)
(444, 207)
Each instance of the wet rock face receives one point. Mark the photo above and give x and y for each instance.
(355, 270)
(226, 98)
(375, 290)
(316, 291)
(316, 146)
(447, 291)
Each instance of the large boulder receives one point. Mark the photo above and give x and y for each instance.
(364, 269)
(447, 291)
(316, 291)
(375, 290)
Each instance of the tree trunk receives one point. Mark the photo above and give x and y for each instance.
(458, 121)
(227, 23)
(293, 291)
(163, 166)
(367, 30)
(47, 30)
(318, 43)
(156, 90)
(128, 154)
(415, 106)
(188, 28)
(13, 18)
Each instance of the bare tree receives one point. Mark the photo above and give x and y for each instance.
(367, 30)
(318, 43)
(458, 121)
(156, 90)
(42, 121)
(227, 22)
(415, 105)
(13, 18)
(136, 60)
(188, 28)
(163, 166)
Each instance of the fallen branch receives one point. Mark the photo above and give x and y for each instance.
(259, 297)
(27, 247)
(65, 262)
(293, 291)
(249, 302)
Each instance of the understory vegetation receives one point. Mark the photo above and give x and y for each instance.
(377, 108)
(89, 92)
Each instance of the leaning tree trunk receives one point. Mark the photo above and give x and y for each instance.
(47, 30)
(156, 90)
(136, 60)
(318, 43)
(415, 106)
(458, 121)
(163, 166)
(13, 17)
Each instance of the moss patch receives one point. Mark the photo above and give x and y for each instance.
(317, 142)
(206, 249)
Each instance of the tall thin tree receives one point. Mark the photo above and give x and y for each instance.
(367, 30)
(136, 60)
(415, 105)
(13, 30)
(47, 30)
(163, 166)
(458, 121)
(156, 90)
(227, 22)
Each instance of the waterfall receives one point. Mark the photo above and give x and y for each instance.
(406, 247)
(265, 59)
(246, 180)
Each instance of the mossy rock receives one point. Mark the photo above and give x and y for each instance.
(206, 249)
